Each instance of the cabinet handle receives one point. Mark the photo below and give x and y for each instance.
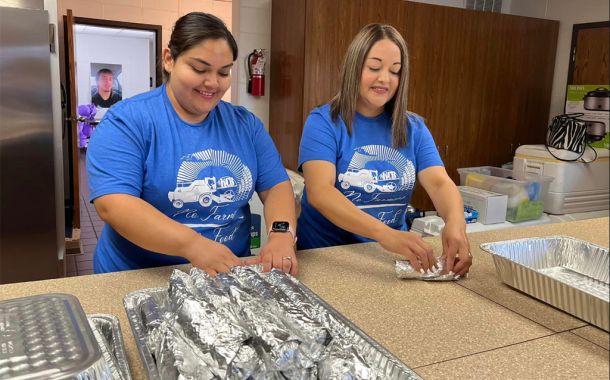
(511, 148)
(446, 150)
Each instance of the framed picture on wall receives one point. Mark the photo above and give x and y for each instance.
(105, 80)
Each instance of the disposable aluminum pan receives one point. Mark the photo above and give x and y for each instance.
(107, 331)
(49, 337)
(138, 308)
(568, 273)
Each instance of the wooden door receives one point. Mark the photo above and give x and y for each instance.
(449, 75)
(392, 12)
(535, 58)
(589, 58)
(330, 27)
(73, 118)
(479, 79)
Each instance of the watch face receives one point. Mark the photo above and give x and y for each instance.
(280, 226)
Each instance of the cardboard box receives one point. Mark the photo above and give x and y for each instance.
(491, 206)
(592, 102)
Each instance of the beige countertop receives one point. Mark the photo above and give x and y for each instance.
(474, 328)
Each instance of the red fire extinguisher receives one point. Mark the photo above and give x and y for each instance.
(256, 72)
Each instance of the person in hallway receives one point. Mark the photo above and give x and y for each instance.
(105, 95)
(171, 171)
(362, 153)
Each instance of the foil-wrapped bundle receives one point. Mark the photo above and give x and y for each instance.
(278, 345)
(175, 356)
(340, 360)
(216, 331)
(404, 270)
(247, 324)
(313, 334)
(344, 362)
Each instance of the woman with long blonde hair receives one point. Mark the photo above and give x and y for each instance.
(362, 153)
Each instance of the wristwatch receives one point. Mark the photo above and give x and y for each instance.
(282, 227)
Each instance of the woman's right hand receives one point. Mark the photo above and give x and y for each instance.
(211, 256)
(411, 246)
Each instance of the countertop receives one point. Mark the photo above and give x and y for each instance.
(473, 328)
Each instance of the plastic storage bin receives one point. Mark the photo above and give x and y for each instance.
(526, 192)
(577, 187)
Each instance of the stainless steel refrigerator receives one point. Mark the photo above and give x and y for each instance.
(31, 224)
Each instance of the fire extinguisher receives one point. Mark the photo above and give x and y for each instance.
(256, 72)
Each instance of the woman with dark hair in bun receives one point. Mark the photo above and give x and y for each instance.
(171, 171)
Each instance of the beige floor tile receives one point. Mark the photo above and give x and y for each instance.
(84, 266)
(396, 313)
(594, 335)
(560, 356)
(484, 280)
(70, 264)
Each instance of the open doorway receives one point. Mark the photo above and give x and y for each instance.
(106, 62)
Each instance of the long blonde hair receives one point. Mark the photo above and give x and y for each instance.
(344, 102)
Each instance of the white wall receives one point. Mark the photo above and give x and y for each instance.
(132, 53)
(51, 7)
(568, 12)
(252, 30)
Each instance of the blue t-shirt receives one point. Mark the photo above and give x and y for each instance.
(201, 175)
(373, 175)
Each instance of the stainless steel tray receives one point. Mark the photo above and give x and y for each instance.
(110, 340)
(388, 364)
(570, 274)
(48, 336)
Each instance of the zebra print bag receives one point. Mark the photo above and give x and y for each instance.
(568, 132)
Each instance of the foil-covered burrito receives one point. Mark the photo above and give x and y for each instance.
(404, 270)
(250, 325)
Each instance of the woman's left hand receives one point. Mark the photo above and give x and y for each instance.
(456, 248)
(279, 252)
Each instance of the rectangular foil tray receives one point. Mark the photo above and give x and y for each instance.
(369, 347)
(570, 274)
(110, 329)
(48, 336)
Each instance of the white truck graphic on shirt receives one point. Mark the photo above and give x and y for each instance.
(205, 191)
(369, 180)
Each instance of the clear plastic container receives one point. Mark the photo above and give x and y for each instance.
(525, 191)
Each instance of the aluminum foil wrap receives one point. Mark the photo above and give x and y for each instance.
(48, 336)
(250, 324)
(404, 270)
(570, 274)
